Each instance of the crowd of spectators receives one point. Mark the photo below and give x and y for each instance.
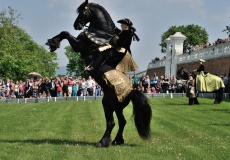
(164, 84)
(155, 84)
(49, 87)
(69, 86)
(157, 59)
(191, 48)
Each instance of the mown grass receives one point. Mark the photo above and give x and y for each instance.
(70, 129)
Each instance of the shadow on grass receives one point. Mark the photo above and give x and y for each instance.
(226, 99)
(221, 110)
(57, 142)
(217, 110)
(216, 124)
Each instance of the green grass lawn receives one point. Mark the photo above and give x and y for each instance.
(70, 129)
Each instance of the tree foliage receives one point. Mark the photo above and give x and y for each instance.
(19, 54)
(76, 63)
(195, 34)
(227, 30)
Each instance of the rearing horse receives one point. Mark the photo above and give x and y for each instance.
(101, 23)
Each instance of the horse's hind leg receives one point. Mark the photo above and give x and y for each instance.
(122, 122)
(219, 96)
(106, 139)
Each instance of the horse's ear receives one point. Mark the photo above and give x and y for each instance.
(86, 2)
(83, 6)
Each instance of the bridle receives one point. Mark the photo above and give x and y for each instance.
(82, 25)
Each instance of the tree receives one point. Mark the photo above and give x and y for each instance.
(227, 30)
(76, 63)
(19, 54)
(195, 34)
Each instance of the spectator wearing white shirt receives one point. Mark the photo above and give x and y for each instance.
(84, 86)
(90, 86)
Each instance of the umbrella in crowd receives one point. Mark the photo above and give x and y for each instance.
(34, 74)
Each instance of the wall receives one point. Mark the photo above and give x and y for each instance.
(159, 71)
(216, 66)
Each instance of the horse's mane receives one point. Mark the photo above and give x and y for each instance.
(186, 71)
(189, 73)
(94, 5)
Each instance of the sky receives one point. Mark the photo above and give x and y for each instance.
(43, 19)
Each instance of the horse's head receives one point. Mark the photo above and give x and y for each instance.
(94, 14)
(83, 16)
(184, 73)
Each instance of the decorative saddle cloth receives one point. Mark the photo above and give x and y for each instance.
(208, 82)
(97, 36)
(119, 82)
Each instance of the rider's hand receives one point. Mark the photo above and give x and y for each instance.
(114, 39)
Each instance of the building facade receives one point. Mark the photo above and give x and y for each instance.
(217, 58)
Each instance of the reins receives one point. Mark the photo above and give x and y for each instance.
(98, 30)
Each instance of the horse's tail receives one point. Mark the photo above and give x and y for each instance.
(142, 113)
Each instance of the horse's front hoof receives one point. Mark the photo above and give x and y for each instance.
(53, 44)
(52, 49)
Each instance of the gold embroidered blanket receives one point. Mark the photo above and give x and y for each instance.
(119, 82)
(208, 82)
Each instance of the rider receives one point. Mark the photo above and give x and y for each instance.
(121, 41)
(201, 68)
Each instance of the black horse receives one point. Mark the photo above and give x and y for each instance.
(184, 74)
(102, 26)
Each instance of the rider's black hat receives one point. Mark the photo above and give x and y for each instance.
(125, 21)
